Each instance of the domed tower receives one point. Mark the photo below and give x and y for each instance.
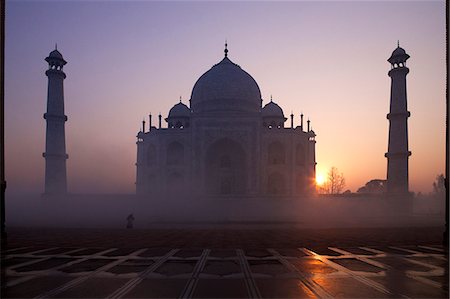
(272, 115)
(226, 88)
(55, 145)
(179, 116)
(398, 153)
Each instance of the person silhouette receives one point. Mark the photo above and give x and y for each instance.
(130, 220)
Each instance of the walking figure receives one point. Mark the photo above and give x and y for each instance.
(130, 220)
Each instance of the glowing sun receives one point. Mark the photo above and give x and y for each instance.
(320, 179)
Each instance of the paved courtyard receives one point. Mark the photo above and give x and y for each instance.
(83, 264)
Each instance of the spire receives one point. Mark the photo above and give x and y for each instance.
(292, 119)
(226, 48)
(149, 121)
(271, 98)
(301, 121)
(56, 46)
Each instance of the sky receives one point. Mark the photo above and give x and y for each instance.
(127, 59)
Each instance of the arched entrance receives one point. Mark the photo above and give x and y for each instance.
(276, 153)
(276, 184)
(175, 154)
(225, 168)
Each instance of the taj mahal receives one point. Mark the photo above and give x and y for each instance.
(223, 156)
(224, 143)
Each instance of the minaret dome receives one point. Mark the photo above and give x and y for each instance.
(398, 57)
(55, 60)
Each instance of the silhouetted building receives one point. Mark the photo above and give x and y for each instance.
(226, 144)
(55, 143)
(375, 186)
(398, 153)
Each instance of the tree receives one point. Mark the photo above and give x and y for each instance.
(335, 182)
(439, 185)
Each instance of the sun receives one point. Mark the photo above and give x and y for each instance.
(320, 179)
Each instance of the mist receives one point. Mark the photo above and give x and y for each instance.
(231, 154)
(111, 211)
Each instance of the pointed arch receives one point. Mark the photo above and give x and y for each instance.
(225, 168)
(276, 153)
(300, 154)
(151, 155)
(300, 183)
(276, 184)
(175, 153)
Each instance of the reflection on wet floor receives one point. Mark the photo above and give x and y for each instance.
(268, 267)
(354, 272)
(401, 264)
(354, 264)
(312, 266)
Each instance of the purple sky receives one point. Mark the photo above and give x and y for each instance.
(127, 59)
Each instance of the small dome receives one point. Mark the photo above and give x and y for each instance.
(399, 51)
(398, 55)
(180, 110)
(226, 87)
(272, 110)
(55, 58)
(55, 54)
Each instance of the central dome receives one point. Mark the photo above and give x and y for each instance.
(226, 87)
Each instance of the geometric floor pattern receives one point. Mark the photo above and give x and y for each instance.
(327, 272)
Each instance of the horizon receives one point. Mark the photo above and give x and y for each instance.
(117, 75)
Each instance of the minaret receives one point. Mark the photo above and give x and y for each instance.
(398, 153)
(55, 144)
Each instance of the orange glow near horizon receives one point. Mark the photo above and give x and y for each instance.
(106, 97)
(320, 179)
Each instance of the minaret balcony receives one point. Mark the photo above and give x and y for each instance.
(394, 115)
(397, 154)
(55, 156)
(48, 116)
(55, 72)
(398, 71)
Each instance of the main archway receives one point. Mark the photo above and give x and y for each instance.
(225, 168)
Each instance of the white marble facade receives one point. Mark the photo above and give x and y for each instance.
(225, 144)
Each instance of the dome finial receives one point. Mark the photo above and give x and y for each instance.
(180, 99)
(398, 43)
(226, 50)
(56, 46)
(270, 98)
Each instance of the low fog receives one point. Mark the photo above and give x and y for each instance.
(320, 211)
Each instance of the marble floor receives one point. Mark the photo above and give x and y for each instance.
(357, 271)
